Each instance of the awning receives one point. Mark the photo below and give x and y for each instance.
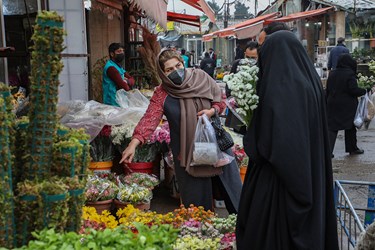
(299, 15)
(183, 18)
(248, 24)
(202, 6)
(349, 4)
(155, 9)
(249, 31)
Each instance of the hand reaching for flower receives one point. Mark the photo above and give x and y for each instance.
(128, 154)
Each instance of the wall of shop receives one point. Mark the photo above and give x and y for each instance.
(103, 29)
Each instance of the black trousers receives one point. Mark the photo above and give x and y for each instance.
(350, 139)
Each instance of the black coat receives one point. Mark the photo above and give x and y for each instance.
(342, 94)
(287, 196)
(208, 65)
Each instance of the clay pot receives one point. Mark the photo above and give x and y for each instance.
(100, 206)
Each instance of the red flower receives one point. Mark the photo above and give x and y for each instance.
(106, 131)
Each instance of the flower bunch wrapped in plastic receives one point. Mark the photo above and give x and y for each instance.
(240, 155)
(242, 85)
(134, 194)
(102, 147)
(161, 134)
(98, 189)
(365, 82)
(141, 179)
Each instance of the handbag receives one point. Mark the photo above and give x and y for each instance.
(224, 139)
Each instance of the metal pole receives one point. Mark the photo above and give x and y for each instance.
(3, 41)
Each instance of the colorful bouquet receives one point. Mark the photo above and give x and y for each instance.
(101, 147)
(98, 189)
(134, 194)
(240, 155)
(242, 85)
(141, 179)
(161, 134)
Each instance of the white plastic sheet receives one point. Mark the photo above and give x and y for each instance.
(92, 115)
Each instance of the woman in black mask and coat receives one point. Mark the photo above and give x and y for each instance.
(184, 95)
(287, 197)
(342, 101)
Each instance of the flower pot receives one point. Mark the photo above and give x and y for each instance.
(138, 167)
(120, 204)
(100, 206)
(243, 173)
(143, 206)
(140, 206)
(99, 166)
(372, 42)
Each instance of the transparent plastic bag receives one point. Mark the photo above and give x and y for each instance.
(131, 99)
(361, 113)
(206, 150)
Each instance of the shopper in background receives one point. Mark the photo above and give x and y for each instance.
(342, 101)
(212, 55)
(208, 64)
(114, 75)
(287, 197)
(185, 58)
(239, 52)
(336, 52)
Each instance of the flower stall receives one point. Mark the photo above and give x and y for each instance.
(132, 228)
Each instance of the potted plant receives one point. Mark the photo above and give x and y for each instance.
(140, 197)
(145, 154)
(101, 150)
(100, 193)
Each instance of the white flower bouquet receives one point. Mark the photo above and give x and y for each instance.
(242, 85)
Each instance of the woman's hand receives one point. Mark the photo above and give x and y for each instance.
(128, 154)
(208, 112)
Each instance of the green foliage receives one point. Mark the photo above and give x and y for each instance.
(216, 8)
(155, 237)
(241, 11)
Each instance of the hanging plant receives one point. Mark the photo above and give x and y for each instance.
(46, 66)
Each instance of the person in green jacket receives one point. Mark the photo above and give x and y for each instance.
(114, 75)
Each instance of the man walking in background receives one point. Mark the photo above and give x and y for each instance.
(336, 52)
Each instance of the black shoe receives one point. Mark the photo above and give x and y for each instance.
(357, 152)
(332, 156)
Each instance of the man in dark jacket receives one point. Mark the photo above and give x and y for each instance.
(336, 52)
(342, 101)
(208, 64)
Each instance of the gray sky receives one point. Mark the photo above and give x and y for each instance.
(180, 6)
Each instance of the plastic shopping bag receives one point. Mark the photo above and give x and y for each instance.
(206, 150)
(361, 112)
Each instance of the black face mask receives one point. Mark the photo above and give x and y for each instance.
(177, 76)
(119, 57)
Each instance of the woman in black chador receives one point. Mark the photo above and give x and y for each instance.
(287, 197)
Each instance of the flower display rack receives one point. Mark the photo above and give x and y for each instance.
(7, 224)
(46, 66)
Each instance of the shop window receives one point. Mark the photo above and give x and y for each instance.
(19, 17)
